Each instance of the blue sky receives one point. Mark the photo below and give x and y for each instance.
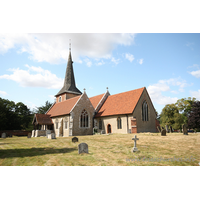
(33, 65)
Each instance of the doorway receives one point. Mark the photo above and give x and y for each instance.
(109, 130)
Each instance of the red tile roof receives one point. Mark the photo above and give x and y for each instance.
(43, 119)
(96, 99)
(123, 103)
(64, 107)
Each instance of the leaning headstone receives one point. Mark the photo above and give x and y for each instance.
(74, 139)
(159, 130)
(167, 130)
(29, 135)
(163, 132)
(185, 132)
(3, 135)
(135, 148)
(82, 148)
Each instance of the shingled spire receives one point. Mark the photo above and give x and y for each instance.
(69, 83)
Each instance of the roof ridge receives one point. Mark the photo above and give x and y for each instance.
(127, 91)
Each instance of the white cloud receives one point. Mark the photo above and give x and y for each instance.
(195, 94)
(116, 61)
(156, 90)
(194, 66)
(129, 57)
(100, 63)
(53, 48)
(195, 73)
(3, 93)
(141, 61)
(34, 77)
(88, 62)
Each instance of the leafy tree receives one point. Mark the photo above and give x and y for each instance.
(13, 116)
(177, 114)
(184, 106)
(194, 116)
(43, 109)
(167, 115)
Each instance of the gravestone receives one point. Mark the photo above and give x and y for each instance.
(29, 135)
(185, 132)
(167, 130)
(48, 132)
(3, 135)
(159, 130)
(135, 148)
(82, 148)
(51, 136)
(102, 132)
(74, 139)
(163, 132)
(10, 135)
(171, 130)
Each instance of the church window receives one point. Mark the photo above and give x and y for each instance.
(66, 124)
(84, 119)
(60, 99)
(119, 123)
(145, 114)
(56, 125)
(100, 124)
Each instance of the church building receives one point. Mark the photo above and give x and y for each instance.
(74, 113)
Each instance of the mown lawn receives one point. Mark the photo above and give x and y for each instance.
(175, 149)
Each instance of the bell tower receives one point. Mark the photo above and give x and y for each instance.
(69, 89)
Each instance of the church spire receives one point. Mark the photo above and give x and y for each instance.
(69, 82)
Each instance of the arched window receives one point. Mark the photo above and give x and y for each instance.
(119, 123)
(145, 115)
(84, 119)
(100, 124)
(60, 98)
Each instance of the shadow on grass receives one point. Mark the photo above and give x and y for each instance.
(10, 153)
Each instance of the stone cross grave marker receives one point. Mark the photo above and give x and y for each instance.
(29, 135)
(163, 132)
(3, 135)
(135, 139)
(82, 148)
(185, 132)
(74, 139)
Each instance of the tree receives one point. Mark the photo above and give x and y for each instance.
(194, 116)
(43, 109)
(167, 115)
(184, 106)
(13, 116)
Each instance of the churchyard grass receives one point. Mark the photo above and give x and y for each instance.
(175, 149)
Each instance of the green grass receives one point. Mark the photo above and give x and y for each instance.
(104, 150)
